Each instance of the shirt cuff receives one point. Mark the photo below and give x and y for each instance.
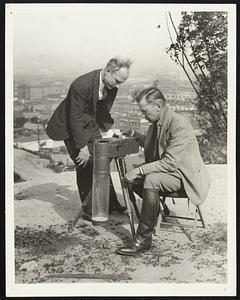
(141, 171)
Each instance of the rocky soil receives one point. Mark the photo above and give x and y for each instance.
(44, 249)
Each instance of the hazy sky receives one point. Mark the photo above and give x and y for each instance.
(93, 32)
(89, 34)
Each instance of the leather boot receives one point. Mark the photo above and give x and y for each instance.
(148, 218)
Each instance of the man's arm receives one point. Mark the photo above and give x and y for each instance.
(103, 118)
(177, 143)
(80, 120)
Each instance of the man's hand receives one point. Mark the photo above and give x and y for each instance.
(83, 156)
(132, 175)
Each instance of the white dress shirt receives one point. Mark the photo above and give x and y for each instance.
(101, 87)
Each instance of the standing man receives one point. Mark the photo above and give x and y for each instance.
(80, 118)
(172, 163)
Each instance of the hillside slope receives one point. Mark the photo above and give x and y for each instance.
(29, 166)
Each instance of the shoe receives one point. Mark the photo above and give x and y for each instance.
(117, 207)
(135, 247)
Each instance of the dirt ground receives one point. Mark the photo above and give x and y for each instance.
(44, 247)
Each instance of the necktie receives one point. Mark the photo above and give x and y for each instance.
(104, 92)
(151, 151)
(155, 143)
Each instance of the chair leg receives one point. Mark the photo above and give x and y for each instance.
(158, 225)
(201, 217)
(195, 218)
(160, 217)
(162, 211)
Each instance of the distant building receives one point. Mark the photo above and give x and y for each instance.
(168, 75)
(45, 114)
(21, 131)
(38, 92)
(31, 114)
(18, 114)
(56, 97)
(123, 106)
(33, 126)
(23, 92)
(32, 143)
(125, 122)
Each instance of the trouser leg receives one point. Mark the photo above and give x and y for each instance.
(83, 175)
(154, 185)
(84, 178)
(164, 182)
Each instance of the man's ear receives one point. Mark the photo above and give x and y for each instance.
(158, 102)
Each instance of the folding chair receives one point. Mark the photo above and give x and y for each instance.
(163, 217)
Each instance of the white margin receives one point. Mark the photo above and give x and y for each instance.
(121, 289)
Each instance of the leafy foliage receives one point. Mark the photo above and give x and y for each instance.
(201, 51)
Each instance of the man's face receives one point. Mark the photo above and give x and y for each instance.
(149, 110)
(113, 79)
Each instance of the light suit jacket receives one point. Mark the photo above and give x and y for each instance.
(178, 150)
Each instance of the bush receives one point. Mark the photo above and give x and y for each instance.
(213, 150)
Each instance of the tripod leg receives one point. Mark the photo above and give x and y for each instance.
(133, 200)
(73, 223)
(130, 192)
(121, 174)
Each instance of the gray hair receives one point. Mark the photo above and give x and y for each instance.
(116, 63)
(149, 94)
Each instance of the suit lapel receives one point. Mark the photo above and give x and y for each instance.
(111, 95)
(162, 123)
(96, 90)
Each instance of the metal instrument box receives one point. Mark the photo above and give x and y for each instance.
(117, 147)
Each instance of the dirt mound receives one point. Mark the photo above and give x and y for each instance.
(29, 166)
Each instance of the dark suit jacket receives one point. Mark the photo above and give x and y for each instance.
(178, 150)
(81, 111)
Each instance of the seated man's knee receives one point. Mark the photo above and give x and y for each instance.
(151, 182)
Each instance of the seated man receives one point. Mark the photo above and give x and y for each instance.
(173, 162)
